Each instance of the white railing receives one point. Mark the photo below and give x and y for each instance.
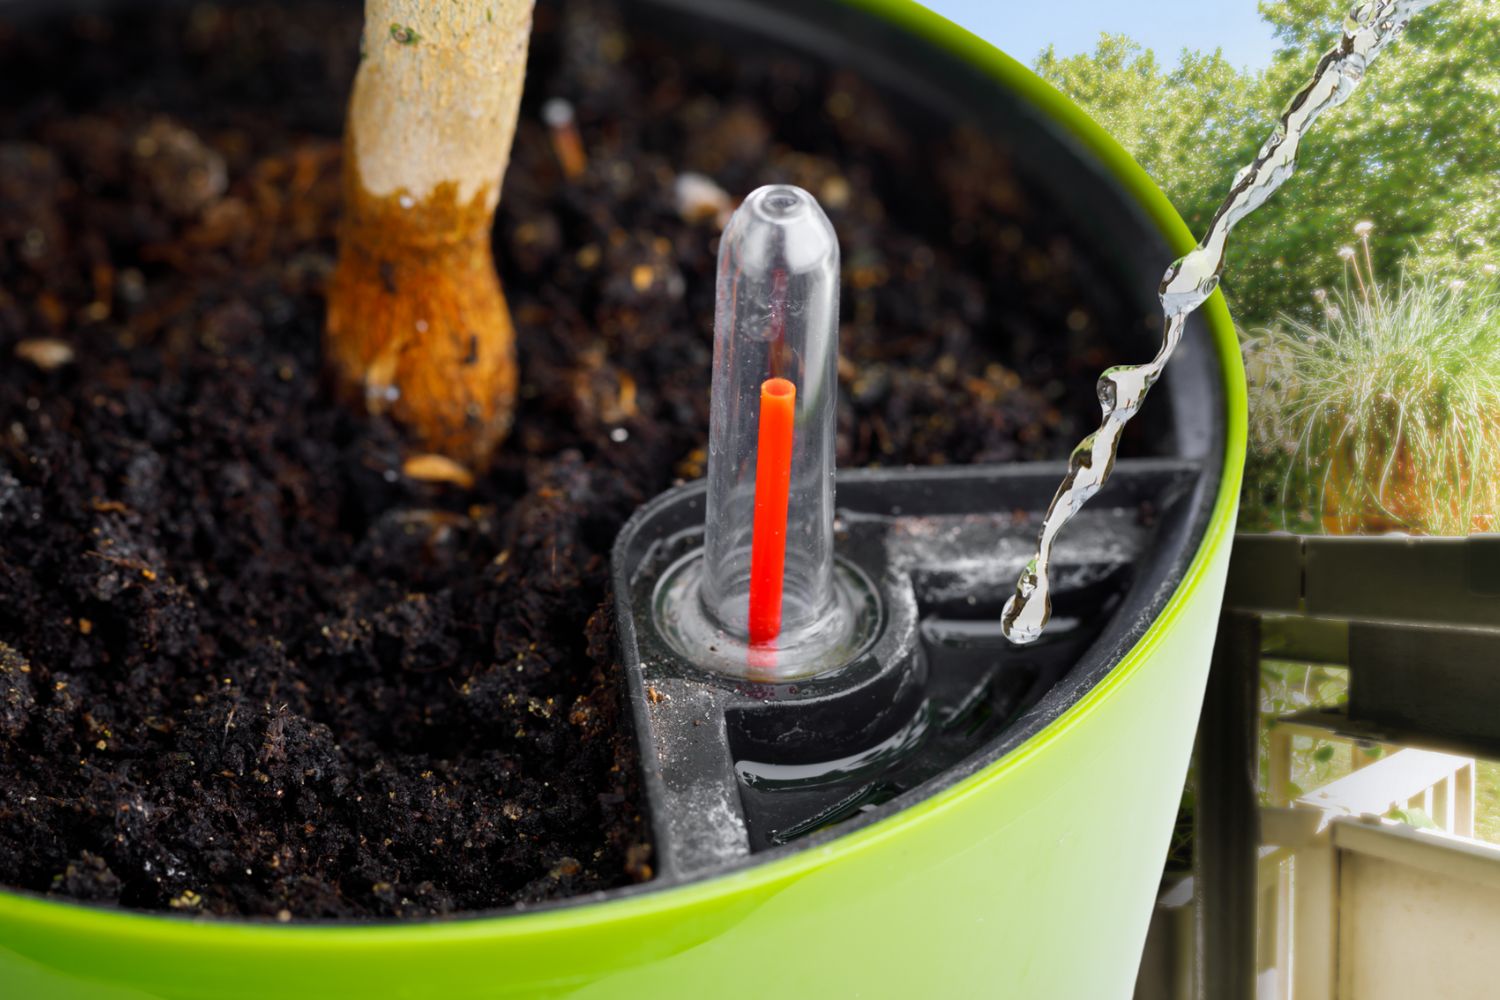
(1353, 906)
(1313, 904)
(1440, 784)
(1416, 623)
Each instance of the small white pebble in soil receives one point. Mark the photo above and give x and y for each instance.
(834, 193)
(557, 113)
(700, 199)
(45, 353)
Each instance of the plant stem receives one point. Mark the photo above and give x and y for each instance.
(417, 326)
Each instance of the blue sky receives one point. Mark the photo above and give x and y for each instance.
(1024, 27)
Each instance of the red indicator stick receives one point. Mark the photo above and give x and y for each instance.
(773, 481)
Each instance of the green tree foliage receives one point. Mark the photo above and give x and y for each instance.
(1417, 149)
(1183, 125)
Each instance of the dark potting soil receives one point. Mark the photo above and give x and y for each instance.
(249, 667)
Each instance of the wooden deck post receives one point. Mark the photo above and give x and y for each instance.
(1228, 828)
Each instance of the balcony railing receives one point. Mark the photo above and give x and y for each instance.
(1320, 896)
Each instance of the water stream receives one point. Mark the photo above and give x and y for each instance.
(1189, 282)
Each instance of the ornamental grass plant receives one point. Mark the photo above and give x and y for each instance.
(1383, 414)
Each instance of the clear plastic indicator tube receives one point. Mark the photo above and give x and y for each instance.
(768, 574)
(765, 599)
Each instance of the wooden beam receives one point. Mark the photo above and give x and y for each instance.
(1383, 578)
(1265, 573)
(1324, 723)
(1315, 921)
(1306, 640)
(1459, 858)
(1226, 841)
(1440, 680)
(1393, 578)
(1292, 829)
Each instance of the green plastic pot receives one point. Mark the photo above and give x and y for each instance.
(1032, 876)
